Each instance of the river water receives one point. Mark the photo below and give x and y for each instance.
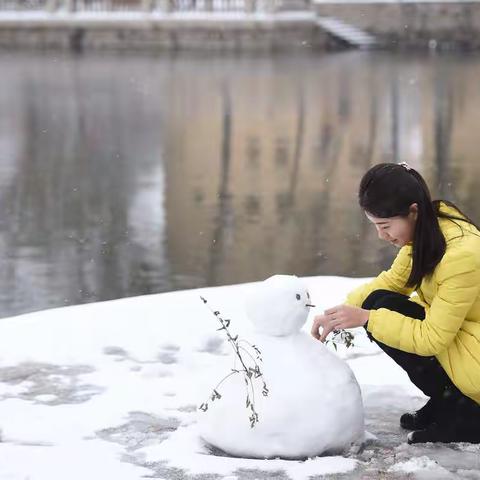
(128, 174)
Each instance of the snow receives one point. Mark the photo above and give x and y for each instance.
(110, 390)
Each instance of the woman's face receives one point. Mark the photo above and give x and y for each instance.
(398, 231)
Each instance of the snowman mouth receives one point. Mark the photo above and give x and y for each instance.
(309, 305)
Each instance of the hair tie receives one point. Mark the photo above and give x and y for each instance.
(405, 165)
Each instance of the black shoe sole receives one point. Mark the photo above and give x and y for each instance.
(437, 435)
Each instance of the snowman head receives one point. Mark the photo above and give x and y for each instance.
(279, 306)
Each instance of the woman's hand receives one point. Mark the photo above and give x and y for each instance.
(338, 318)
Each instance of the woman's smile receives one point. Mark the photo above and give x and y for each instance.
(402, 227)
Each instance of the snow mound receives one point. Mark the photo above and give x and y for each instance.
(307, 399)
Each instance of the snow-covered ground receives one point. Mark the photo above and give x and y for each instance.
(110, 390)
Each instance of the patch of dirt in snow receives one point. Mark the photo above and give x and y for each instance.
(168, 355)
(140, 429)
(160, 470)
(213, 345)
(188, 408)
(48, 384)
(251, 474)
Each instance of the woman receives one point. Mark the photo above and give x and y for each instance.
(434, 335)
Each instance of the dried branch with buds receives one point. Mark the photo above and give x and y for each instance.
(249, 368)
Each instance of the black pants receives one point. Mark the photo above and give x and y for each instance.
(425, 372)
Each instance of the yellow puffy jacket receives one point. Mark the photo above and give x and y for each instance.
(451, 298)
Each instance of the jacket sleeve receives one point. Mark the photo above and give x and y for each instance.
(458, 279)
(393, 279)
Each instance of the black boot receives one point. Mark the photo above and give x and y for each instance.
(420, 419)
(456, 419)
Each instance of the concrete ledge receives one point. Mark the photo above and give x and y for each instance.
(135, 19)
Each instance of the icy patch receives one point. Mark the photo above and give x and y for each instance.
(469, 474)
(415, 464)
(423, 468)
(457, 458)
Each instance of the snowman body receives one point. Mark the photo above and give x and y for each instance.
(314, 404)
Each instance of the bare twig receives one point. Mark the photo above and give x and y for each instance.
(249, 373)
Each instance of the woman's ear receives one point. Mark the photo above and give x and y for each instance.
(413, 210)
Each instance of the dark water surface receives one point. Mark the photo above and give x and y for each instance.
(129, 174)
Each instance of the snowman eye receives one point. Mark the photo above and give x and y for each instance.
(298, 296)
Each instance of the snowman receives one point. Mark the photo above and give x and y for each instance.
(314, 405)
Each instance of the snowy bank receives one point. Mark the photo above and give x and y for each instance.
(110, 390)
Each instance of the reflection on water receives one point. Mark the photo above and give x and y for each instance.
(125, 175)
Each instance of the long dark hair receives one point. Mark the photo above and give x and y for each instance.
(388, 190)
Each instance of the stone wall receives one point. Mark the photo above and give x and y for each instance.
(241, 35)
(404, 24)
(454, 24)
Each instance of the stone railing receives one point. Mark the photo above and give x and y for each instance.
(146, 5)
